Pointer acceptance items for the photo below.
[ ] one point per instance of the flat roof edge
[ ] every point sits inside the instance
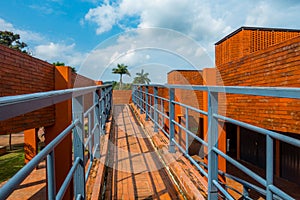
(255, 28)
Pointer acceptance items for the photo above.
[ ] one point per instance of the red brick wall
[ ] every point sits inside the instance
(189, 97)
(246, 42)
(122, 96)
(277, 65)
(23, 74)
(82, 81)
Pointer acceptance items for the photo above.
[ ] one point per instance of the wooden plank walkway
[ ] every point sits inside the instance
(135, 171)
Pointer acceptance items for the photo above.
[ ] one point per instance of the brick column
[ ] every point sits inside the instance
(63, 118)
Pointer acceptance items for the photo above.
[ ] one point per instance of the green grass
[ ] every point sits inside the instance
(10, 163)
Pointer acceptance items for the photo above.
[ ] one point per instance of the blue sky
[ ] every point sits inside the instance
(157, 36)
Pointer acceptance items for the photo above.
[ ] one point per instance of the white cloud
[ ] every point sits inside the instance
(104, 16)
(141, 47)
(44, 49)
(26, 35)
(53, 52)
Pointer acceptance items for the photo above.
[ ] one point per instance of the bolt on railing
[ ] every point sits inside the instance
(97, 116)
(216, 187)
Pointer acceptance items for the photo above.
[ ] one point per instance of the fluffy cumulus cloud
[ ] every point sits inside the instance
(196, 25)
(145, 47)
(53, 52)
(42, 48)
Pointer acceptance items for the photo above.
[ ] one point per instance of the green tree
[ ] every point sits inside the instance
(12, 41)
(121, 69)
(141, 78)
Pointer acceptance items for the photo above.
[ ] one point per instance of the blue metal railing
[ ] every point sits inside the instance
(140, 97)
(96, 115)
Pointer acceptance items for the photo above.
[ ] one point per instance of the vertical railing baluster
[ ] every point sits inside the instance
(269, 166)
(147, 103)
(212, 142)
(171, 118)
(102, 110)
(155, 93)
(141, 98)
(51, 176)
(162, 111)
(186, 132)
(97, 122)
(78, 146)
(90, 142)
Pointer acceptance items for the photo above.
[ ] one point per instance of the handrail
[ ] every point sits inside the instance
(140, 96)
(13, 106)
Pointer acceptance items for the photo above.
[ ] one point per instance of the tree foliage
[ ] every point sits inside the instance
(12, 41)
(121, 69)
(141, 78)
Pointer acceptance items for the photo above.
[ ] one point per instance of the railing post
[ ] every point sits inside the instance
(269, 166)
(212, 142)
(51, 176)
(162, 111)
(141, 100)
(102, 111)
(97, 123)
(147, 103)
(186, 132)
(155, 93)
(90, 127)
(133, 94)
(171, 118)
(245, 192)
(78, 146)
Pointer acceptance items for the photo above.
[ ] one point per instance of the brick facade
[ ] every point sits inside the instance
(24, 74)
(277, 66)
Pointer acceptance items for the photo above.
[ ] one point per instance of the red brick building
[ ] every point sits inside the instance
(261, 57)
(252, 56)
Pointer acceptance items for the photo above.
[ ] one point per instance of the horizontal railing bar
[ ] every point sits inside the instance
(90, 136)
(244, 183)
(95, 150)
(190, 107)
(241, 167)
(190, 133)
(224, 192)
(279, 192)
(88, 170)
(162, 98)
(17, 179)
(12, 106)
(89, 110)
(284, 138)
(163, 114)
(68, 179)
(191, 159)
(282, 92)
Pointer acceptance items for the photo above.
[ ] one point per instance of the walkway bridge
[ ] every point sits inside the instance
(141, 150)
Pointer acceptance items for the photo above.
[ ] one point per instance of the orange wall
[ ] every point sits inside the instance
(277, 65)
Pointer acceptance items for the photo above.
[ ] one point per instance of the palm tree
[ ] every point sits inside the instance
(141, 78)
(121, 69)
